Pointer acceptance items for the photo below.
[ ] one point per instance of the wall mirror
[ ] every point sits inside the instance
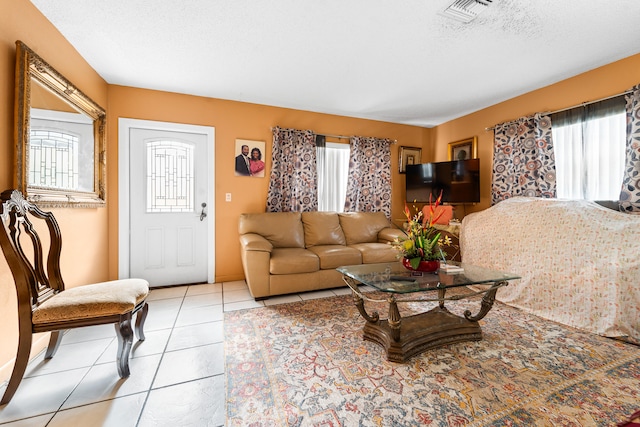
(60, 137)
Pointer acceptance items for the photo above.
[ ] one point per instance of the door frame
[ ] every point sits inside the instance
(124, 218)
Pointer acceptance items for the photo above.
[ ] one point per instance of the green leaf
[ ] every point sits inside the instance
(415, 262)
(434, 240)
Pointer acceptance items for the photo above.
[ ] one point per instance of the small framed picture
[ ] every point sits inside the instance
(464, 149)
(409, 156)
(249, 158)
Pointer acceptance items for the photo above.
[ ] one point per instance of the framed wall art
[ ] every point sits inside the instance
(249, 158)
(464, 149)
(409, 156)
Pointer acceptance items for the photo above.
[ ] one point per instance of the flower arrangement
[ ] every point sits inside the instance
(423, 241)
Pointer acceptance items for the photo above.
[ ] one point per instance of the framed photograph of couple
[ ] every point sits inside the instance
(409, 156)
(249, 158)
(464, 149)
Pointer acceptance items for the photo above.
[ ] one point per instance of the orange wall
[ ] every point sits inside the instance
(83, 260)
(233, 120)
(602, 82)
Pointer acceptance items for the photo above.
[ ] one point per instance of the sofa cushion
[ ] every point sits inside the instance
(332, 256)
(362, 227)
(376, 252)
(322, 228)
(282, 229)
(293, 260)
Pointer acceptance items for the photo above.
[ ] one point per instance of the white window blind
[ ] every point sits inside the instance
(589, 149)
(332, 177)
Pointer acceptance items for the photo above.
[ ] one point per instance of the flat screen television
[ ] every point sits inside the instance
(459, 181)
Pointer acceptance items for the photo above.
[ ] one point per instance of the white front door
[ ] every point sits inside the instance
(170, 206)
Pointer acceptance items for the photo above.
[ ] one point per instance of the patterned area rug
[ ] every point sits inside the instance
(306, 364)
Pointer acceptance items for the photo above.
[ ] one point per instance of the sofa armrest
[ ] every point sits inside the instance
(255, 242)
(255, 252)
(389, 234)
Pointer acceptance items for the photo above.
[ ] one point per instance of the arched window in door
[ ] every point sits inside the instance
(170, 176)
(53, 159)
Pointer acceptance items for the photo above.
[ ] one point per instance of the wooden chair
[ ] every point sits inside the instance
(44, 305)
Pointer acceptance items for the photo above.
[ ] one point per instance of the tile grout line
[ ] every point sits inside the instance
(80, 381)
(148, 392)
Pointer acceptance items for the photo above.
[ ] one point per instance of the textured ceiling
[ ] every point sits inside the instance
(395, 61)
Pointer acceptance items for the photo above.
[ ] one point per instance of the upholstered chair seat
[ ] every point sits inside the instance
(90, 301)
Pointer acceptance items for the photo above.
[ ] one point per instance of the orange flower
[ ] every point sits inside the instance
(432, 209)
(422, 241)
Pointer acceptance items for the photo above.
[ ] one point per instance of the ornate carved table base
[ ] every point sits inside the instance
(405, 337)
(421, 332)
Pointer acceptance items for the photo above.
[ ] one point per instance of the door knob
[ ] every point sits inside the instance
(203, 214)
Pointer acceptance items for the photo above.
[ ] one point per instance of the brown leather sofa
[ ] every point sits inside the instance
(288, 252)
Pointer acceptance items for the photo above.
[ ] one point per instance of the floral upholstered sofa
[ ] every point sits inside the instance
(579, 261)
(287, 252)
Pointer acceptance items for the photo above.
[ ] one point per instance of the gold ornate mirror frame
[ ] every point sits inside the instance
(32, 72)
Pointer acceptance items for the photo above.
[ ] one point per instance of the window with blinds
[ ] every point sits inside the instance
(333, 172)
(589, 149)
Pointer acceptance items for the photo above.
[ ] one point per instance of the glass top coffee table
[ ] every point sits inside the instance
(405, 337)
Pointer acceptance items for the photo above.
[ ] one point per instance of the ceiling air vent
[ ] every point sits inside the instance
(466, 10)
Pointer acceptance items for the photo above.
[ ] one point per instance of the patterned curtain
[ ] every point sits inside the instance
(523, 160)
(369, 182)
(630, 192)
(294, 178)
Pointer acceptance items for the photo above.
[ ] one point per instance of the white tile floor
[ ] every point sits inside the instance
(177, 373)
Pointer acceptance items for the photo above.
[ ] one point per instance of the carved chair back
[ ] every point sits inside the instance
(35, 279)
